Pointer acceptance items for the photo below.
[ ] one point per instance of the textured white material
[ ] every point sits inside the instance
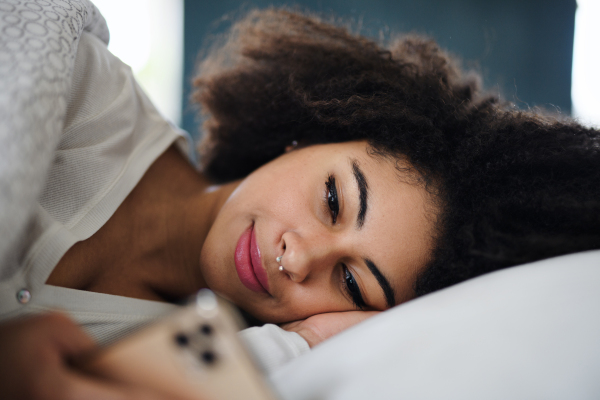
(272, 346)
(528, 332)
(38, 43)
(111, 135)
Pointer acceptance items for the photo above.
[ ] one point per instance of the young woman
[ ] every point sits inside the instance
(350, 177)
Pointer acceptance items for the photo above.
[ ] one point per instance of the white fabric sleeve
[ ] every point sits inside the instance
(38, 43)
(272, 346)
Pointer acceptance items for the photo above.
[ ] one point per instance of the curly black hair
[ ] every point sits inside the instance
(511, 186)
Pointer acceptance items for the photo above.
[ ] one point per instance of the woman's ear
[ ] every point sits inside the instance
(292, 146)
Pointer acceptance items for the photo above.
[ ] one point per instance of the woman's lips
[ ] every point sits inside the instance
(247, 263)
(259, 271)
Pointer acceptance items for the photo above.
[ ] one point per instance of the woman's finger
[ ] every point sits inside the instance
(66, 336)
(79, 386)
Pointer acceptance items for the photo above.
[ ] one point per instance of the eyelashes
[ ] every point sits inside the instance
(351, 287)
(349, 284)
(331, 198)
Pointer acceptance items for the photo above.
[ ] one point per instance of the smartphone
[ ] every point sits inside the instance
(192, 354)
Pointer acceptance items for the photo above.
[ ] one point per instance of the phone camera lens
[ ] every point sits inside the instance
(208, 357)
(181, 340)
(206, 329)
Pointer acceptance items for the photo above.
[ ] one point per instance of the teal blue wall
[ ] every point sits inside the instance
(523, 48)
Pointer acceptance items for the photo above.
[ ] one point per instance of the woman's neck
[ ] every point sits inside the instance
(185, 205)
(150, 247)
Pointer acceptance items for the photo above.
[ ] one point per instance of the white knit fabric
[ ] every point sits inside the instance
(38, 43)
(273, 347)
(112, 134)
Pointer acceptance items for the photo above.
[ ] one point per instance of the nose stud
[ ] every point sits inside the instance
(279, 261)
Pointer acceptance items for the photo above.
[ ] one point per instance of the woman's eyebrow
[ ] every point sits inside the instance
(363, 193)
(388, 291)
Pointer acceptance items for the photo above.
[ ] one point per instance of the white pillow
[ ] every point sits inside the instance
(528, 332)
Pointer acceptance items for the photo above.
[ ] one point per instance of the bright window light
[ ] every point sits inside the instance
(585, 89)
(148, 36)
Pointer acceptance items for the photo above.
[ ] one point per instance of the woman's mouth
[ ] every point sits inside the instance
(248, 263)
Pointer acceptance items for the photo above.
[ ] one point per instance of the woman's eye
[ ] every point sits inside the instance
(332, 198)
(352, 288)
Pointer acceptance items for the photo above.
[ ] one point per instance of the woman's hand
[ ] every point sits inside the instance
(319, 327)
(34, 355)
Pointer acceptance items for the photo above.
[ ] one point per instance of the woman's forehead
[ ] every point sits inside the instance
(398, 218)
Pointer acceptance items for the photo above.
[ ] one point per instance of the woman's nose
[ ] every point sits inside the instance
(306, 256)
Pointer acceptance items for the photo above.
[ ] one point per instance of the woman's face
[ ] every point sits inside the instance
(351, 233)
